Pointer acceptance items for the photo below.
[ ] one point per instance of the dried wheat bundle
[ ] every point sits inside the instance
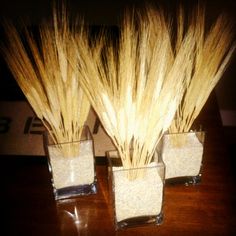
(135, 84)
(214, 49)
(47, 79)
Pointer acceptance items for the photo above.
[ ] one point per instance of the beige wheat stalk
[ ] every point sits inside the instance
(214, 49)
(135, 87)
(48, 80)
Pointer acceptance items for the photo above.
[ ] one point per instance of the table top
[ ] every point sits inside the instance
(28, 206)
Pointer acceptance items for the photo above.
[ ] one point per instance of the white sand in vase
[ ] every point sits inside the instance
(139, 197)
(184, 160)
(72, 171)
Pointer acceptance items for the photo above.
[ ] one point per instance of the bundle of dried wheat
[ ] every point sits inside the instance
(214, 49)
(45, 72)
(135, 84)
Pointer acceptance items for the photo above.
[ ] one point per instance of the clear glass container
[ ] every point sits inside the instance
(182, 154)
(72, 166)
(137, 193)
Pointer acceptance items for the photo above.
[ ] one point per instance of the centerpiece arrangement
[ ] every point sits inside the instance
(135, 84)
(44, 69)
(147, 87)
(182, 147)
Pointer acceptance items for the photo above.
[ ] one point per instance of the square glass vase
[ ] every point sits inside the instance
(136, 193)
(182, 154)
(72, 166)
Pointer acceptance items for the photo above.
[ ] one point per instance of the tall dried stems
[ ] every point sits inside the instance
(47, 78)
(214, 49)
(136, 85)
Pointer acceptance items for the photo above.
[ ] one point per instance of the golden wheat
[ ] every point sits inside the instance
(214, 49)
(45, 72)
(135, 86)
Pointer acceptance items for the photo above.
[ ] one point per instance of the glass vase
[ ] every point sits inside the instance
(182, 154)
(137, 193)
(72, 166)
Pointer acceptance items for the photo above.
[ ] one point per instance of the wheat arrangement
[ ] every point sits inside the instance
(213, 50)
(135, 85)
(44, 70)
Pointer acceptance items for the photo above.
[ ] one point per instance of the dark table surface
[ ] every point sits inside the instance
(28, 206)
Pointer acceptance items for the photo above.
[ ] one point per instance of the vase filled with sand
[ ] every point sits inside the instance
(46, 72)
(182, 146)
(137, 193)
(72, 166)
(182, 154)
(130, 86)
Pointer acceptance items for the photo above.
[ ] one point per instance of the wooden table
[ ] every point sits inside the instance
(28, 206)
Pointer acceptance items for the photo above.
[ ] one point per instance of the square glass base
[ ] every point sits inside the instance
(136, 201)
(182, 154)
(72, 166)
(74, 191)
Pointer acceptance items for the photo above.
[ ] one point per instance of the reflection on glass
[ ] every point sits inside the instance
(73, 217)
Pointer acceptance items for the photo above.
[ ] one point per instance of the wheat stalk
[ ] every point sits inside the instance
(214, 49)
(135, 87)
(45, 73)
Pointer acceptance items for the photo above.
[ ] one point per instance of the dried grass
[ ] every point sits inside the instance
(213, 50)
(45, 72)
(136, 85)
